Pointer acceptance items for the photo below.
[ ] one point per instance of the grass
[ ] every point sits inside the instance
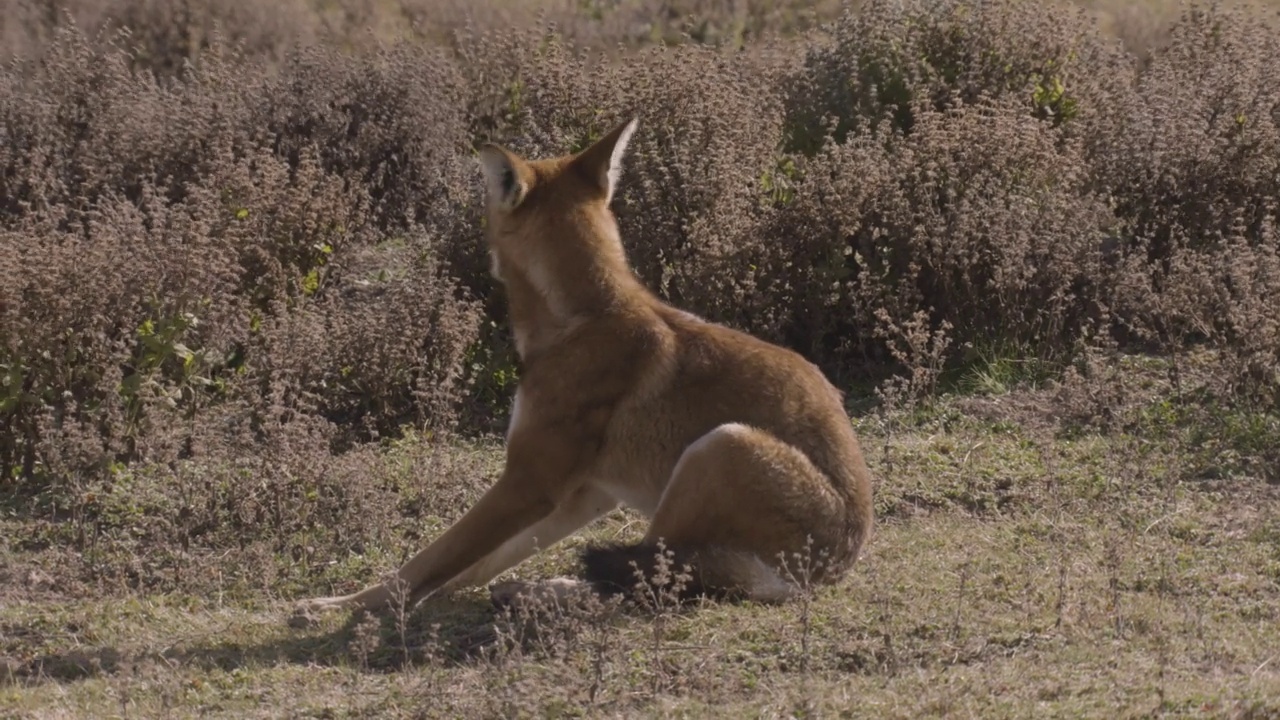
(1016, 570)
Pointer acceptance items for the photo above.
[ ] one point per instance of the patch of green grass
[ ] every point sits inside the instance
(999, 370)
(1223, 441)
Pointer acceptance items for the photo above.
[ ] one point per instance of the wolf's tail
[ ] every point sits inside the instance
(713, 572)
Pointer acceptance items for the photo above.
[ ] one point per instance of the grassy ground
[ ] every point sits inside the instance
(1019, 569)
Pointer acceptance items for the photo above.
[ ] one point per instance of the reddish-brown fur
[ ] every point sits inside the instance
(737, 449)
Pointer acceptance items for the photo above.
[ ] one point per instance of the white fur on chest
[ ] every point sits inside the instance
(517, 415)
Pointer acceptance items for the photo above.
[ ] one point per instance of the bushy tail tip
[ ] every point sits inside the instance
(711, 572)
(612, 569)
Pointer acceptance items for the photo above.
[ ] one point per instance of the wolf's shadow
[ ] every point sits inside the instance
(446, 631)
(456, 630)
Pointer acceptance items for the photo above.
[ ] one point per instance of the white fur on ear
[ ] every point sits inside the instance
(615, 158)
(501, 179)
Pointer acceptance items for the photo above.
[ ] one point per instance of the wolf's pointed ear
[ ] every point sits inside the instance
(504, 178)
(602, 162)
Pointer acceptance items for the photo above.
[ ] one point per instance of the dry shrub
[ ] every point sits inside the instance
(940, 203)
(886, 62)
(1192, 161)
(384, 345)
(979, 220)
(214, 240)
(691, 206)
(391, 123)
(165, 35)
(1012, 230)
(722, 23)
